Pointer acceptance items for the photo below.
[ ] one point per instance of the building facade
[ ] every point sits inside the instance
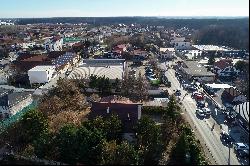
(12, 102)
(41, 74)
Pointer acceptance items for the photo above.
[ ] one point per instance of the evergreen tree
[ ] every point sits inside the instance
(149, 141)
(115, 154)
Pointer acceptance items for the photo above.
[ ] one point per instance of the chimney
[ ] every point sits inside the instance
(139, 111)
(128, 117)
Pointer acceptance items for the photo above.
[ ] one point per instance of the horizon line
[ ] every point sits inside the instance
(123, 16)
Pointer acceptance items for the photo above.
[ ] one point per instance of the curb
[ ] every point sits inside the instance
(210, 153)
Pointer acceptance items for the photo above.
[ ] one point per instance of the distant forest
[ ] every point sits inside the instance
(233, 32)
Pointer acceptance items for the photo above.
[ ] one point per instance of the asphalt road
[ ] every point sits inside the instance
(211, 138)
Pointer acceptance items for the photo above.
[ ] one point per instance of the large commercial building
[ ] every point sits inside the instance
(110, 68)
(41, 74)
(242, 117)
(193, 70)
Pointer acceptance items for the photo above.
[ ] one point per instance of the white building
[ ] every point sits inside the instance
(210, 48)
(193, 54)
(242, 117)
(166, 53)
(224, 67)
(184, 45)
(54, 44)
(28, 45)
(6, 23)
(110, 68)
(41, 74)
(180, 43)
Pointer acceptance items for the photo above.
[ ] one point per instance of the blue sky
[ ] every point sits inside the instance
(103, 8)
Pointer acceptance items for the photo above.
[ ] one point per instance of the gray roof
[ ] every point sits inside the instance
(9, 98)
(100, 62)
(16, 97)
(4, 91)
(193, 68)
(63, 59)
(243, 110)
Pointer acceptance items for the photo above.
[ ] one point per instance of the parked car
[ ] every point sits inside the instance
(148, 69)
(197, 84)
(243, 153)
(200, 104)
(185, 86)
(229, 106)
(200, 112)
(67, 73)
(230, 116)
(241, 146)
(178, 92)
(168, 84)
(191, 88)
(179, 77)
(134, 75)
(152, 77)
(206, 111)
(226, 138)
(195, 93)
(199, 97)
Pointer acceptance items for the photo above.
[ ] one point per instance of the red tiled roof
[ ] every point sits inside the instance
(77, 44)
(24, 66)
(222, 64)
(37, 58)
(56, 38)
(139, 51)
(121, 46)
(230, 93)
(55, 54)
(118, 51)
(24, 55)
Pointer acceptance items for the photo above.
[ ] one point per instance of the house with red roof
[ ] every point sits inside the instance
(224, 67)
(233, 96)
(127, 111)
(120, 48)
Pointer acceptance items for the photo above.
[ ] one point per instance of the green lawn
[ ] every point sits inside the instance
(155, 82)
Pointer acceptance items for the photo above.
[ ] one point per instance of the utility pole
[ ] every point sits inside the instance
(229, 155)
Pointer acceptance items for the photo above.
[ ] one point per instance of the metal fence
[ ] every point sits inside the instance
(7, 122)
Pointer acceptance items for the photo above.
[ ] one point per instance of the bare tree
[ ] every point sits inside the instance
(136, 89)
(142, 87)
